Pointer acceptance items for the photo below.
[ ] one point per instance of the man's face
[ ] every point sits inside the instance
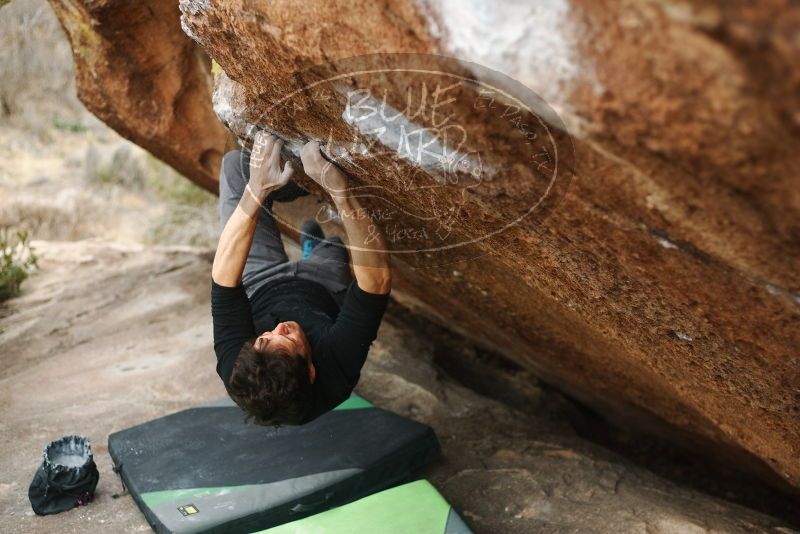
(288, 338)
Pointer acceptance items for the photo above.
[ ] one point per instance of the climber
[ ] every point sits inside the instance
(291, 336)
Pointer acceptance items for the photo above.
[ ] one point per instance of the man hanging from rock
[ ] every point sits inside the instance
(291, 336)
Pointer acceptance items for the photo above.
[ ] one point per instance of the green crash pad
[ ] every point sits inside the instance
(204, 470)
(414, 508)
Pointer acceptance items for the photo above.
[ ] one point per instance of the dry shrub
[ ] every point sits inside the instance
(37, 86)
(70, 215)
(16, 261)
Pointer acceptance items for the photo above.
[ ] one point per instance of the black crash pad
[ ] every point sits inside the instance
(204, 470)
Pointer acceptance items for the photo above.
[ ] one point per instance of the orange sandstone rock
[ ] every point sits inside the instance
(142, 76)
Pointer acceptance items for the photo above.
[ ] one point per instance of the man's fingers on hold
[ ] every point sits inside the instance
(275, 156)
(288, 170)
(269, 142)
(258, 145)
(261, 140)
(262, 143)
(309, 149)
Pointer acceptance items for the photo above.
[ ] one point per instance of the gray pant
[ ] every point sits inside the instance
(328, 263)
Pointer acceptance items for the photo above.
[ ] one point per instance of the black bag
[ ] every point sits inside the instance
(67, 477)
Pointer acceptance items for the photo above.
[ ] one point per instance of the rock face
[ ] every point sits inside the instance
(139, 73)
(667, 279)
(140, 338)
(662, 286)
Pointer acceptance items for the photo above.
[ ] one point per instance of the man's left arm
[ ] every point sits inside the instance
(355, 329)
(365, 241)
(356, 326)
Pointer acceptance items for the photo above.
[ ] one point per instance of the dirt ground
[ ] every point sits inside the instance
(106, 336)
(104, 365)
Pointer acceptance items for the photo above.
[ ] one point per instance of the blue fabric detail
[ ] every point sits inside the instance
(308, 247)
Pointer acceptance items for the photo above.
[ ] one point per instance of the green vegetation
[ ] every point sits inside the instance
(106, 175)
(172, 188)
(69, 125)
(190, 216)
(17, 260)
(189, 212)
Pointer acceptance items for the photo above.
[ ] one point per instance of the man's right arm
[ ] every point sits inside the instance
(237, 235)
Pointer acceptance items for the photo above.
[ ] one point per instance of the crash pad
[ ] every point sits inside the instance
(204, 469)
(413, 508)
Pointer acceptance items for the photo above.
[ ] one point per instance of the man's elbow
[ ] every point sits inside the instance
(223, 276)
(377, 281)
(385, 281)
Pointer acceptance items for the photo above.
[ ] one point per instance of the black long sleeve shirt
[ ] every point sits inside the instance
(339, 338)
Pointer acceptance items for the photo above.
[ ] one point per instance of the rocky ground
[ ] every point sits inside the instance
(106, 336)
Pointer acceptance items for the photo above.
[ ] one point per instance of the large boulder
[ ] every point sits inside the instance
(661, 286)
(666, 281)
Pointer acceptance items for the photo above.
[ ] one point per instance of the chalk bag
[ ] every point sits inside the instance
(67, 477)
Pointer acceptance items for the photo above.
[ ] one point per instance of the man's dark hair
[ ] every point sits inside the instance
(274, 388)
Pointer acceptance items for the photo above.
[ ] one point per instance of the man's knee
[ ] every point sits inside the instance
(331, 249)
(234, 171)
